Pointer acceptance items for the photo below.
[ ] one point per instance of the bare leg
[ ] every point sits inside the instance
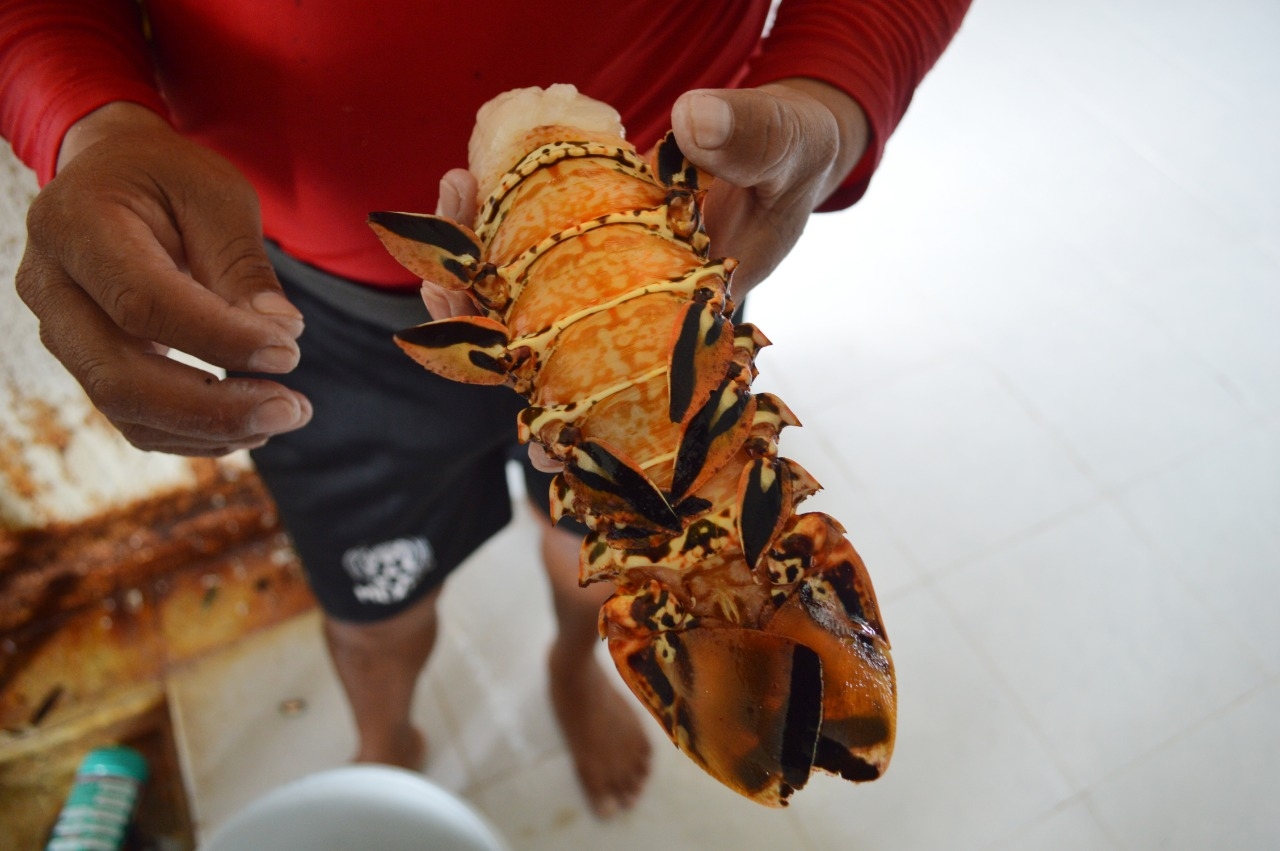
(379, 664)
(605, 735)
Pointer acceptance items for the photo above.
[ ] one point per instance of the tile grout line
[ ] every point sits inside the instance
(1185, 346)
(1179, 570)
(961, 629)
(1169, 54)
(949, 568)
(1108, 830)
(1190, 729)
(450, 722)
(1062, 806)
(1064, 87)
(1110, 490)
(481, 786)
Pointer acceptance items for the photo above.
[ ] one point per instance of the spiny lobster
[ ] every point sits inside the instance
(750, 632)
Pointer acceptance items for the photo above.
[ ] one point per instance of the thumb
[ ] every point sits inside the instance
(458, 193)
(759, 138)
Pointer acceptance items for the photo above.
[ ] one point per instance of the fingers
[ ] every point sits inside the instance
(224, 251)
(144, 242)
(214, 417)
(458, 202)
(157, 403)
(772, 139)
(776, 152)
(122, 229)
(542, 460)
(458, 199)
(145, 295)
(156, 440)
(445, 304)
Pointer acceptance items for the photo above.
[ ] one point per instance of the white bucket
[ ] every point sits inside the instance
(357, 807)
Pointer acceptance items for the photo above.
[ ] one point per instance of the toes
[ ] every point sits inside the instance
(634, 781)
(610, 749)
(606, 806)
(624, 787)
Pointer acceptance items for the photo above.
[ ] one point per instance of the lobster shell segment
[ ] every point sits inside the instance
(620, 491)
(701, 351)
(433, 248)
(471, 349)
(751, 633)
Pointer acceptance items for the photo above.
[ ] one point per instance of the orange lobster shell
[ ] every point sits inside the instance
(750, 632)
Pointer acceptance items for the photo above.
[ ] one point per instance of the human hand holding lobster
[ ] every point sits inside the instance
(143, 242)
(777, 152)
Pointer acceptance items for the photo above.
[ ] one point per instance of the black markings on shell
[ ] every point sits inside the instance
(429, 230)
(599, 469)
(721, 412)
(442, 335)
(762, 507)
(803, 719)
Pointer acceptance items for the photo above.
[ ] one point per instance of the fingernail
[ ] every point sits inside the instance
(275, 415)
(712, 121)
(277, 308)
(273, 359)
(274, 304)
(292, 327)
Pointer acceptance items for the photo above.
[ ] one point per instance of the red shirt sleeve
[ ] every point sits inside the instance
(302, 102)
(876, 51)
(59, 61)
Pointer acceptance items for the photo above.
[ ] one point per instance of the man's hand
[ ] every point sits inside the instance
(458, 202)
(144, 242)
(776, 152)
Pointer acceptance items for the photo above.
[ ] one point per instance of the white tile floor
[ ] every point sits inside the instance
(1039, 368)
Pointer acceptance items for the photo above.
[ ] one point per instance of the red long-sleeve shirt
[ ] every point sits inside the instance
(336, 108)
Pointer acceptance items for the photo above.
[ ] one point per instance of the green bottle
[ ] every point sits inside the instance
(97, 813)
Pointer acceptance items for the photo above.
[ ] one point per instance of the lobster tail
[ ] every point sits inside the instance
(751, 633)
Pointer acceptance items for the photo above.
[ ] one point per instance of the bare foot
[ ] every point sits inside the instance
(604, 733)
(407, 748)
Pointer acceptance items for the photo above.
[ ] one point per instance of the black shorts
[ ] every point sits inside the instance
(400, 475)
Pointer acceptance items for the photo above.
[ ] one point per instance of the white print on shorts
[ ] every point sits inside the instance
(385, 573)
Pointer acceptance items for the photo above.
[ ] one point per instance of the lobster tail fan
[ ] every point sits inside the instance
(834, 613)
(745, 706)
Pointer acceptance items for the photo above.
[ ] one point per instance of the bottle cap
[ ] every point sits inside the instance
(119, 761)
